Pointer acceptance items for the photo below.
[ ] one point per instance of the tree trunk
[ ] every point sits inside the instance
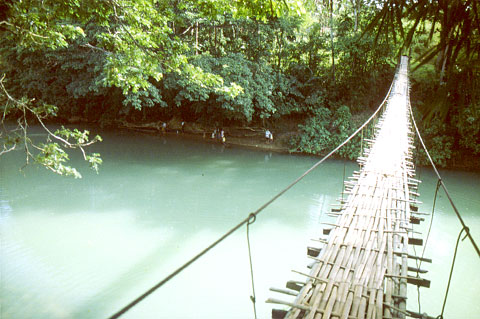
(356, 8)
(445, 56)
(331, 40)
(356, 20)
(280, 50)
(444, 63)
(196, 38)
(215, 40)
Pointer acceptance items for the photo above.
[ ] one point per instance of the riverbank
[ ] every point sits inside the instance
(246, 137)
(251, 137)
(256, 143)
(254, 138)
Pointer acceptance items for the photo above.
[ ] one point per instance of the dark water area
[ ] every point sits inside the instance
(85, 248)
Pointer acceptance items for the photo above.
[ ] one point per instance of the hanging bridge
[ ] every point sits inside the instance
(361, 270)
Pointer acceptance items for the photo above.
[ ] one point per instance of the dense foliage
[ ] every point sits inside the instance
(322, 65)
(443, 37)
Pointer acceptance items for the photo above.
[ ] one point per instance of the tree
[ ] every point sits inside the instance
(455, 47)
(137, 47)
(41, 26)
(240, 62)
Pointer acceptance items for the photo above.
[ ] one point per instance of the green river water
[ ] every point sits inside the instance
(85, 248)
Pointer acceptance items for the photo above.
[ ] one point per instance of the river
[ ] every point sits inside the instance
(86, 248)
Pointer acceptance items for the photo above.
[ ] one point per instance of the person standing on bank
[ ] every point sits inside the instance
(268, 136)
(222, 136)
(164, 127)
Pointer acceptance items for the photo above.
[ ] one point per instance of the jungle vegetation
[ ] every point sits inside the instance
(319, 66)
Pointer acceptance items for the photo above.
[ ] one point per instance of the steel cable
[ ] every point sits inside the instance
(464, 226)
(253, 297)
(246, 220)
(451, 269)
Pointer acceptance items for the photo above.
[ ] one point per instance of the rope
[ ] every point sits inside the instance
(451, 269)
(177, 271)
(253, 298)
(464, 226)
(361, 144)
(431, 220)
(419, 264)
(247, 219)
(343, 180)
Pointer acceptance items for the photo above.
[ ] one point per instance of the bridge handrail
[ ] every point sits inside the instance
(251, 215)
(464, 226)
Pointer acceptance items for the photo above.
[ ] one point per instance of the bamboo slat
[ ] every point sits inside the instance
(361, 270)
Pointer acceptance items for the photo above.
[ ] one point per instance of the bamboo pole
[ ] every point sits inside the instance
(362, 269)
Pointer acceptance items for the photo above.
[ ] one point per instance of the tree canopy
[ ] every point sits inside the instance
(321, 65)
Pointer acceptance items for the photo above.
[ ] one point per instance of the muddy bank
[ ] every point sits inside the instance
(253, 137)
(248, 137)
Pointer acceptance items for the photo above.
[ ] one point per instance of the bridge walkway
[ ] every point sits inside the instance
(362, 269)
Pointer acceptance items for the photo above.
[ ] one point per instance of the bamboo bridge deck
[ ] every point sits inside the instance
(362, 269)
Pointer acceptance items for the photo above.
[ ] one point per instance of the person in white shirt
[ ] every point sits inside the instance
(268, 136)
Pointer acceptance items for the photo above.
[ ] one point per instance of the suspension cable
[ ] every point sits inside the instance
(419, 263)
(253, 297)
(451, 269)
(464, 226)
(440, 181)
(250, 216)
(431, 221)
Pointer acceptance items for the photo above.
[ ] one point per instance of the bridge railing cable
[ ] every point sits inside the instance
(459, 216)
(440, 180)
(250, 216)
